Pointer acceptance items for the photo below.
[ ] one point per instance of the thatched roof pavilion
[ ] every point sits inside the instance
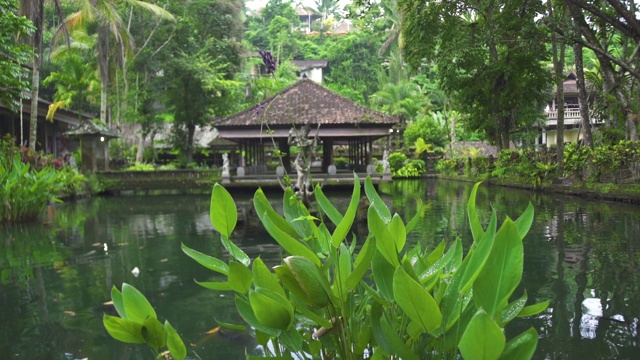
(333, 119)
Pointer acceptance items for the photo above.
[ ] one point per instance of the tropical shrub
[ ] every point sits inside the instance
(329, 299)
(414, 168)
(26, 191)
(340, 162)
(396, 161)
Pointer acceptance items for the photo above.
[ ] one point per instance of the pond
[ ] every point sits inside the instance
(584, 256)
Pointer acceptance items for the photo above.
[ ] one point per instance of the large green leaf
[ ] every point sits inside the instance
(297, 214)
(265, 210)
(291, 245)
(477, 259)
(344, 270)
(512, 310)
(118, 302)
(386, 335)
(415, 301)
(362, 263)
(207, 261)
(534, 309)
(455, 250)
(235, 251)
(246, 312)
(174, 343)
(525, 220)
(326, 206)
(153, 333)
(212, 285)
(123, 330)
(521, 347)
(384, 240)
(310, 279)
(417, 217)
(223, 211)
(499, 279)
(396, 227)
(342, 229)
(240, 278)
(264, 278)
(476, 228)
(376, 201)
(271, 309)
(483, 339)
(136, 306)
(383, 275)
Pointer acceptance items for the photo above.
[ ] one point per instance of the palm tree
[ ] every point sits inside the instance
(34, 11)
(110, 30)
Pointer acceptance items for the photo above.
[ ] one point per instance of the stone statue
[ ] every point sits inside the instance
(385, 161)
(226, 176)
(303, 160)
(225, 163)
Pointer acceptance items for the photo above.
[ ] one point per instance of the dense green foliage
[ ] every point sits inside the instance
(13, 77)
(30, 180)
(389, 299)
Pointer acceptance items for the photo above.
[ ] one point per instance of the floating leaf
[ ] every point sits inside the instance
(482, 339)
(223, 212)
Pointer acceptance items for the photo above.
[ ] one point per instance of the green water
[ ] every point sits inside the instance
(583, 256)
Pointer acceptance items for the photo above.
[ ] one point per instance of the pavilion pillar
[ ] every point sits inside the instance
(327, 154)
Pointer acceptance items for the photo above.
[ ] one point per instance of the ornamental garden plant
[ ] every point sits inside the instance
(331, 298)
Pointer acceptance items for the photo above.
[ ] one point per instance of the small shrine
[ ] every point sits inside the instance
(93, 145)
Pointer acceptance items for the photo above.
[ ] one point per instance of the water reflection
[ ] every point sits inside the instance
(581, 255)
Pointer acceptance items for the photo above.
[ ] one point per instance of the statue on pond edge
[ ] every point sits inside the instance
(300, 138)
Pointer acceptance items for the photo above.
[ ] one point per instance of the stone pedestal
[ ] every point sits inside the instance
(331, 170)
(371, 169)
(226, 177)
(280, 171)
(240, 171)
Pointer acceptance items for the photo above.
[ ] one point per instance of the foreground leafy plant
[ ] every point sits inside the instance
(381, 301)
(331, 299)
(138, 323)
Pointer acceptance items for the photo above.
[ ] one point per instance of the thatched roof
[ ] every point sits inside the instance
(91, 128)
(306, 103)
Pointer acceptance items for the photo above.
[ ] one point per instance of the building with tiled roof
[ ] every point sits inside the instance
(334, 121)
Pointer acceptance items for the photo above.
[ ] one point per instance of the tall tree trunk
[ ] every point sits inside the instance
(36, 15)
(582, 95)
(557, 49)
(103, 64)
(191, 129)
(608, 72)
(140, 152)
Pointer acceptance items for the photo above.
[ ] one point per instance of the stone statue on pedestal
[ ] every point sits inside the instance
(300, 138)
